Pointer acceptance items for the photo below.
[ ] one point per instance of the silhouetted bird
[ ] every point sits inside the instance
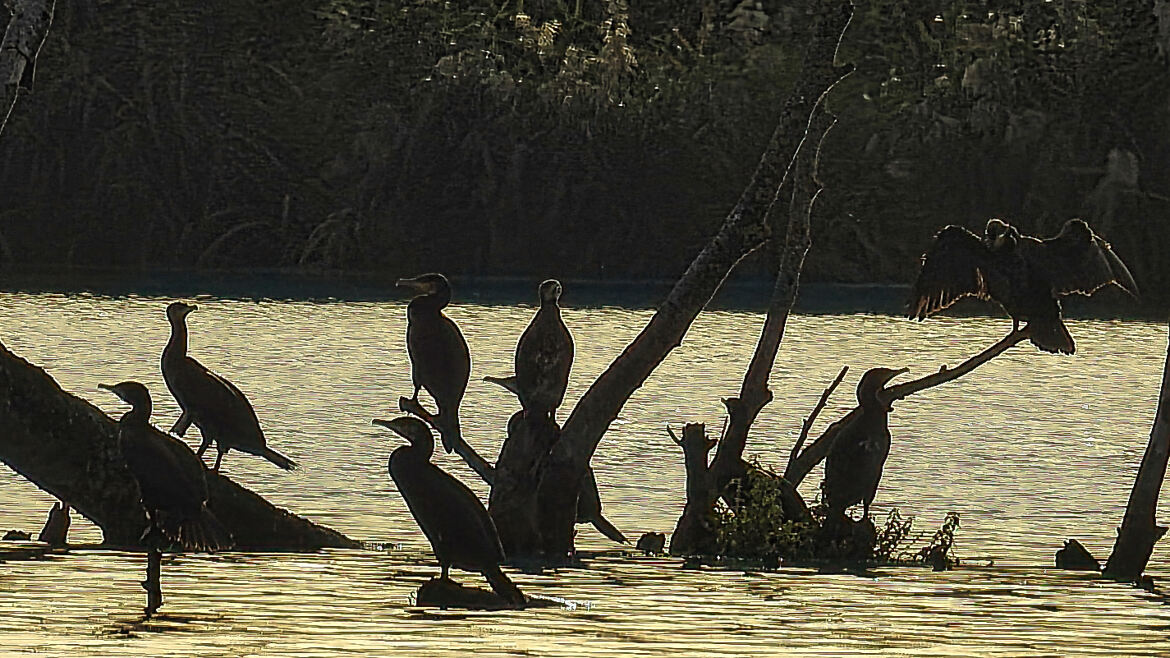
(1025, 275)
(220, 410)
(453, 519)
(544, 356)
(853, 467)
(170, 477)
(439, 359)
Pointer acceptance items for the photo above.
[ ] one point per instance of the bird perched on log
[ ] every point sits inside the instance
(170, 477)
(220, 410)
(853, 467)
(544, 356)
(453, 519)
(1025, 275)
(439, 359)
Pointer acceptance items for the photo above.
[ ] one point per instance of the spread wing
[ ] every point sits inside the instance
(1078, 261)
(953, 267)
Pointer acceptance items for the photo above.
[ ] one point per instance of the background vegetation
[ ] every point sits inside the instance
(572, 138)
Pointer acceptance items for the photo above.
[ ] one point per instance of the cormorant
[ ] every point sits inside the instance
(439, 359)
(170, 477)
(220, 410)
(853, 467)
(1023, 274)
(544, 356)
(453, 519)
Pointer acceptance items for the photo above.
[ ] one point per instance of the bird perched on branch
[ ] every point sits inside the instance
(439, 359)
(453, 519)
(221, 411)
(1025, 275)
(544, 356)
(853, 467)
(170, 477)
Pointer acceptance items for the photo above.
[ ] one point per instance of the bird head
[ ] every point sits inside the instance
(132, 393)
(1078, 230)
(999, 234)
(412, 429)
(177, 311)
(550, 291)
(874, 380)
(432, 283)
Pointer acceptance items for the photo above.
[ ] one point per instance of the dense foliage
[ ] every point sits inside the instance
(569, 137)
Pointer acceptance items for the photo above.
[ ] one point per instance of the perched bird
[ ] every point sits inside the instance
(544, 356)
(853, 467)
(439, 359)
(220, 410)
(1027, 276)
(453, 519)
(170, 477)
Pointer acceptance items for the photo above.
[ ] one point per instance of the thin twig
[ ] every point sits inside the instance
(812, 417)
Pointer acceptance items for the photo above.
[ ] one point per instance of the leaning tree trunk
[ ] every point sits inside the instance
(18, 51)
(743, 231)
(68, 447)
(1139, 528)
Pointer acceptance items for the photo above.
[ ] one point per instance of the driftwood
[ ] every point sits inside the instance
(744, 230)
(22, 42)
(1139, 529)
(68, 447)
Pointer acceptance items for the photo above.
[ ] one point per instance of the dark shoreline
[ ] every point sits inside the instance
(738, 292)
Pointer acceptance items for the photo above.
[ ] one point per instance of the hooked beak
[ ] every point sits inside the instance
(110, 388)
(413, 284)
(392, 426)
(895, 373)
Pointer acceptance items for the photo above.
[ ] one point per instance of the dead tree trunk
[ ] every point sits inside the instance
(1139, 528)
(705, 483)
(68, 447)
(743, 231)
(18, 51)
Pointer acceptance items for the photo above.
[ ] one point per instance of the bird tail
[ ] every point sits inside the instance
(1051, 337)
(608, 529)
(504, 587)
(278, 459)
(205, 533)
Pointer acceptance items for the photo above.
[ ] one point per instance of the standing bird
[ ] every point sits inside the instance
(1027, 276)
(439, 359)
(220, 410)
(853, 467)
(453, 519)
(544, 356)
(170, 477)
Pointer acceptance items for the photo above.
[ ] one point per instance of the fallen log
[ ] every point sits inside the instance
(68, 447)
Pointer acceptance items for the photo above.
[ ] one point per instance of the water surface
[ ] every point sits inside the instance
(1030, 449)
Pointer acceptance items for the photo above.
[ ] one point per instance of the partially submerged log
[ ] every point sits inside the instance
(23, 38)
(1139, 529)
(68, 447)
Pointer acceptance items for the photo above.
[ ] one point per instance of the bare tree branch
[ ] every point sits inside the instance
(812, 417)
(22, 43)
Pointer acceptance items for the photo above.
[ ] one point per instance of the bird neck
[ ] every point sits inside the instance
(434, 302)
(139, 414)
(870, 403)
(550, 306)
(177, 345)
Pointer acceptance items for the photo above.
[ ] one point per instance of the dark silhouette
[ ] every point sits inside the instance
(544, 356)
(56, 530)
(853, 467)
(450, 515)
(439, 359)
(220, 410)
(1023, 274)
(170, 477)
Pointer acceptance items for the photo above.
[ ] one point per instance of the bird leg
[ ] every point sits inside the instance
(1015, 325)
(417, 387)
(446, 574)
(203, 447)
(153, 582)
(218, 460)
(182, 424)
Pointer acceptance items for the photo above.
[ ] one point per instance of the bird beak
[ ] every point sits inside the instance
(895, 373)
(413, 284)
(111, 389)
(390, 425)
